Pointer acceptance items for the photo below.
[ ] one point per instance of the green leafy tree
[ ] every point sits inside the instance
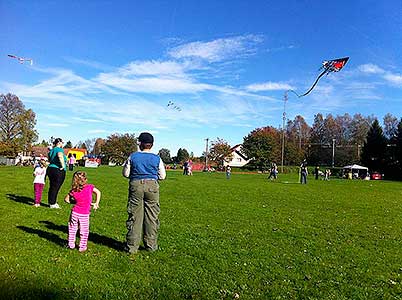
(182, 155)
(374, 149)
(263, 147)
(220, 151)
(118, 147)
(17, 126)
(165, 155)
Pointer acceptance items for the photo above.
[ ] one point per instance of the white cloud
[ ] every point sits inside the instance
(57, 125)
(97, 131)
(269, 86)
(217, 50)
(89, 63)
(146, 68)
(393, 79)
(152, 84)
(371, 69)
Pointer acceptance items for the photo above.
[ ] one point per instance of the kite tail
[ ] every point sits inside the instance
(316, 81)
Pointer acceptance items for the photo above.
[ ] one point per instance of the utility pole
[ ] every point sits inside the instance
(333, 152)
(285, 99)
(206, 154)
(300, 136)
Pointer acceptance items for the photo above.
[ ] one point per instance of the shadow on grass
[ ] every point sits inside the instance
(44, 234)
(93, 237)
(13, 288)
(23, 199)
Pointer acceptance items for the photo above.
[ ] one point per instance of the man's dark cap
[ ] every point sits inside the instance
(146, 138)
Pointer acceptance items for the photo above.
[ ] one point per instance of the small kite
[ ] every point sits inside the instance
(328, 66)
(173, 105)
(21, 59)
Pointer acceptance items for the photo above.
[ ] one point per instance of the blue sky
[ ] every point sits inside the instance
(102, 67)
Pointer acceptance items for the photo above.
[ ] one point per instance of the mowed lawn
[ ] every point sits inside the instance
(245, 238)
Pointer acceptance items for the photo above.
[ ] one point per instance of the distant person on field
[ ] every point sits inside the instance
(316, 172)
(185, 168)
(81, 196)
(228, 172)
(327, 174)
(303, 172)
(273, 173)
(71, 162)
(39, 181)
(144, 169)
(56, 171)
(190, 170)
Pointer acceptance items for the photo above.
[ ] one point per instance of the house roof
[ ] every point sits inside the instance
(234, 149)
(38, 150)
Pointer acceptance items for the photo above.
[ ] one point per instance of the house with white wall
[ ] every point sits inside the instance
(238, 158)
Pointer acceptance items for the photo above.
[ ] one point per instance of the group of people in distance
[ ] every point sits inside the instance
(143, 169)
(188, 168)
(273, 172)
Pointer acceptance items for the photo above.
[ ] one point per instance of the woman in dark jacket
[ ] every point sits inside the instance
(56, 171)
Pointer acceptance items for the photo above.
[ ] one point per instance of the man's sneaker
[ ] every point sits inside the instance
(55, 206)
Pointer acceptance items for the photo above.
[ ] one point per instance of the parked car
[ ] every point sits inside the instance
(376, 176)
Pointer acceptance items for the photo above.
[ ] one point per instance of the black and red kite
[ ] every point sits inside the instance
(328, 66)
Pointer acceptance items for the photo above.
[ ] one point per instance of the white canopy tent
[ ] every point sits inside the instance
(355, 171)
(355, 167)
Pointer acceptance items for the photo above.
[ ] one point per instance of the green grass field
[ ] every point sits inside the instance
(245, 238)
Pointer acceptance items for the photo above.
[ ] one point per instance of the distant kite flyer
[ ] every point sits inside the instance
(21, 60)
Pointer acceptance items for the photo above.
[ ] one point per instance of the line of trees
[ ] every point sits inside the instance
(342, 139)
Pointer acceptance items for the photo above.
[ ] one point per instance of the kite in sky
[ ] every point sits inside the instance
(21, 59)
(328, 66)
(174, 106)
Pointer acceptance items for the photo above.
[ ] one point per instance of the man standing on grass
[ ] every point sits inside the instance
(144, 169)
(303, 172)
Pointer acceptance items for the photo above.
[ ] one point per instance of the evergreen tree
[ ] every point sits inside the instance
(374, 149)
(68, 145)
(398, 140)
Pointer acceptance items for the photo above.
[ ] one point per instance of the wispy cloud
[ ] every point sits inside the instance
(219, 49)
(97, 131)
(395, 79)
(89, 63)
(57, 125)
(289, 47)
(269, 86)
(371, 69)
(388, 76)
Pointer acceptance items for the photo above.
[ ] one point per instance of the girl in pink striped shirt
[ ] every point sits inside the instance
(81, 196)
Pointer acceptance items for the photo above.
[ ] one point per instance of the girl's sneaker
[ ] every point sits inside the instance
(36, 205)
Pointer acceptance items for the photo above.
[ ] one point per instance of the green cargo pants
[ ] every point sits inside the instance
(143, 211)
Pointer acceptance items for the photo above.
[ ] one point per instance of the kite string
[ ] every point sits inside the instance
(314, 84)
